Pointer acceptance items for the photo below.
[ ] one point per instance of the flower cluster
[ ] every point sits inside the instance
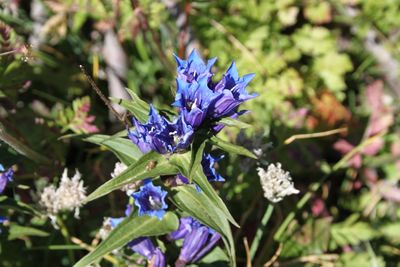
(200, 101)
(5, 177)
(276, 183)
(68, 196)
(201, 104)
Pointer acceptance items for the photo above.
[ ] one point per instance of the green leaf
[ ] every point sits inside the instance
(350, 232)
(123, 148)
(21, 148)
(17, 231)
(199, 206)
(137, 171)
(232, 148)
(195, 173)
(10, 203)
(132, 227)
(234, 123)
(139, 108)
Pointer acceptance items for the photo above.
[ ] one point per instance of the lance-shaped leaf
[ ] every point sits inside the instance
(18, 231)
(234, 123)
(232, 148)
(7, 203)
(131, 228)
(149, 165)
(190, 166)
(124, 149)
(139, 108)
(21, 148)
(199, 206)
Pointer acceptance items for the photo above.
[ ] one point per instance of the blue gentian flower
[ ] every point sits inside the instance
(232, 92)
(150, 200)
(5, 177)
(144, 246)
(193, 99)
(208, 163)
(199, 99)
(194, 68)
(160, 135)
(198, 239)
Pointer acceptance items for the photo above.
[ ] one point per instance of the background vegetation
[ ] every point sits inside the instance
(327, 67)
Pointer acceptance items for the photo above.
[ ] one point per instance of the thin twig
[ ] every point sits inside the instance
(260, 230)
(103, 97)
(83, 245)
(238, 45)
(275, 256)
(315, 135)
(315, 186)
(246, 247)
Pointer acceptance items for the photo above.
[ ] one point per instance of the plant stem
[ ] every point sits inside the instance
(67, 237)
(260, 230)
(315, 186)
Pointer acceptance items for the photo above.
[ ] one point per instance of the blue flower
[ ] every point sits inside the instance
(150, 200)
(193, 99)
(208, 163)
(5, 177)
(194, 68)
(160, 135)
(198, 239)
(232, 92)
(200, 100)
(144, 246)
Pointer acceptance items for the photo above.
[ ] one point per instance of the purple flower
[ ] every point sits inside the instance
(160, 135)
(194, 68)
(208, 163)
(199, 99)
(5, 177)
(193, 99)
(198, 239)
(150, 200)
(232, 92)
(144, 246)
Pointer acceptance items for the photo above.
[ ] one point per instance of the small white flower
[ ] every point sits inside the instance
(118, 169)
(106, 228)
(276, 183)
(68, 196)
(129, 188)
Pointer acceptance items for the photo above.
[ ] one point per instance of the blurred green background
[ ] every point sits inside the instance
(320, 66)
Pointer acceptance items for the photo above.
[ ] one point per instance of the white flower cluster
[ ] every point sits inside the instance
(68, 196)
(129, 188)
(276, 183)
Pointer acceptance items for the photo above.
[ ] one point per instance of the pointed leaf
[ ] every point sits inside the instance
(21, 148)
(199, 206)
(234, 123)
(139, 108)
(17, 231)
(129, 229)
(137, 171)
(232, 148)
(123, 148)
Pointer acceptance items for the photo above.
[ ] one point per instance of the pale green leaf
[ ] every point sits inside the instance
(123, 148)
(129, 229)
(149, 165)
(231, 148)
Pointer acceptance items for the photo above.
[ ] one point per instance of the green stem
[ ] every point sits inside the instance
(67, 237)
(260, 230)
(315, 186)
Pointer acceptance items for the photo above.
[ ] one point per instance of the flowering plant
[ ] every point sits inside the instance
(175, 155)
